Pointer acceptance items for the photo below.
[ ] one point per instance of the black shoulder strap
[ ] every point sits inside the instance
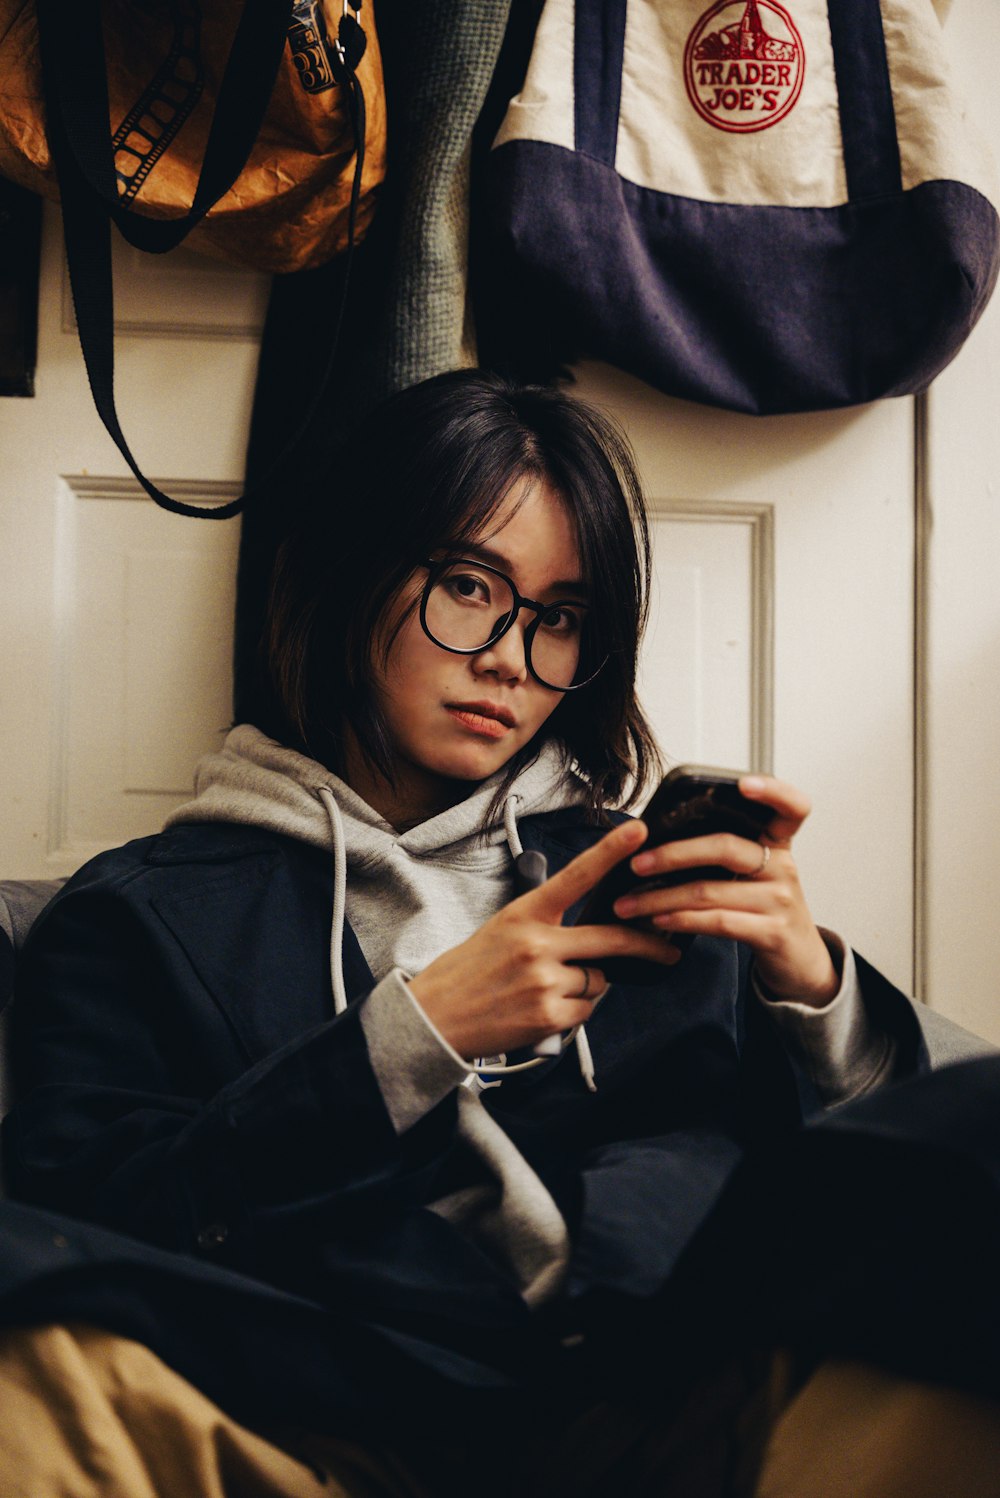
(76, 96)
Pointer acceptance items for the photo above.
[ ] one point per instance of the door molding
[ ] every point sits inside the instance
(758, 518)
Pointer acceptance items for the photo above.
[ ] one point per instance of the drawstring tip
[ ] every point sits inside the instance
(586, 1059)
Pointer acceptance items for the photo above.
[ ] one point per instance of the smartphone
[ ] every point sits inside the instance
(690, 801)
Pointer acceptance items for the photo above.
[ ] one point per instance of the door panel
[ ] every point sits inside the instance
(707, 663)
(117, 616)
(142, 657)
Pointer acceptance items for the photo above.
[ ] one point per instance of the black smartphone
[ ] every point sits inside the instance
(690, 801)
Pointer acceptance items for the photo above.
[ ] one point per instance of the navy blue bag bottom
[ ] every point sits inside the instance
(757, 309)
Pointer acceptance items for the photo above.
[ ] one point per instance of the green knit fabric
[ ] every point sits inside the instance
(439, 60)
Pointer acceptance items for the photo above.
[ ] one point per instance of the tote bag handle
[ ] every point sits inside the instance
(76, 98)
(867, 117)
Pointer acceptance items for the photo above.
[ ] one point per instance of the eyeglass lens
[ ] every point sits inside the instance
(468, 607)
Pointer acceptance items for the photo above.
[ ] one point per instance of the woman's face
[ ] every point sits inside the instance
(459, 718)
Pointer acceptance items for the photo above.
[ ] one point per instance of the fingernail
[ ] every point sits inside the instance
(752, 783)
(642, 863)
(626, 906)
(661, 922)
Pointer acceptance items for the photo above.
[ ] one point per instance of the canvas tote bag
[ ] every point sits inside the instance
(766, 205)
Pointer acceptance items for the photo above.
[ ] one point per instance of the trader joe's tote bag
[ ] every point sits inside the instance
(768, 205)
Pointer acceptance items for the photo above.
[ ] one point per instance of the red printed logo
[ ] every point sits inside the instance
(744, 64)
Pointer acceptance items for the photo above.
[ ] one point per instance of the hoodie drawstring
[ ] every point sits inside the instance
(585, 1057)
(339, 898)
(510, 825)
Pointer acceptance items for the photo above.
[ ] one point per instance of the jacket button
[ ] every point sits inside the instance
(213, 1236)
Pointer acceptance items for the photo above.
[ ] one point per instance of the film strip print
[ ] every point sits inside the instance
(163, 106)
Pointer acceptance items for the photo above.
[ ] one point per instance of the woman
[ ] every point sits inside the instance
(292, 1037)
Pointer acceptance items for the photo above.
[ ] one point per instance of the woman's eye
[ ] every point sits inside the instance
(562, 621)
(469, 588)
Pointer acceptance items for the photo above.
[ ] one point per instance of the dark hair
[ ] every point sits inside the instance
(429, 468)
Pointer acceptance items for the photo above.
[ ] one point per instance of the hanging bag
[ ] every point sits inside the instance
(763, 206)
(108, 171)
(214, 121)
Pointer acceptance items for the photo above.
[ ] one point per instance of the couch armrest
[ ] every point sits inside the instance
(948, 1041)
(21, 900)
(6, 969)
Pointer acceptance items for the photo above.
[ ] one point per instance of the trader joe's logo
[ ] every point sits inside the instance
(744, 64)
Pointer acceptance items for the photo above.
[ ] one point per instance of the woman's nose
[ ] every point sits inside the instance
(506, 657)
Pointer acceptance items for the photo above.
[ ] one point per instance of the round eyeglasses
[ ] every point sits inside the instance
(468, 606)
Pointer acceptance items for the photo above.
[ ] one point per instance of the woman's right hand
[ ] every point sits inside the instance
(520, 977)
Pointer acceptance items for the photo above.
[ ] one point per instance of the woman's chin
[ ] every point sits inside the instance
(471, 761)
(480, 767)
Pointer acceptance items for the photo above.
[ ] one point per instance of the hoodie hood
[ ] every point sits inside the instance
(257, 782)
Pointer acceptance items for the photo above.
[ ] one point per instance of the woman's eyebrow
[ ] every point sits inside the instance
(497, 559)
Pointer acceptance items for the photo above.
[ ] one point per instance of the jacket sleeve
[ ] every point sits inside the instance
(142, 1107)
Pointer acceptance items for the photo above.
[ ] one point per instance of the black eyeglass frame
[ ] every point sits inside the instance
(436, 570)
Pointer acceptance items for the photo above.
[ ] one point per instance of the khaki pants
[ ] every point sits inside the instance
(86, 1414)
(858, 1432)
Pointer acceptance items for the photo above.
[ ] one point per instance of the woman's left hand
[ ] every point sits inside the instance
(764, 906)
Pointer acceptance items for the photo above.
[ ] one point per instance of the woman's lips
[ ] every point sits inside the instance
(489, 728)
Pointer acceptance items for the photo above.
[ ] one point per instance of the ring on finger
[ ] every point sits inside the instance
(765, 859)
(584, 992)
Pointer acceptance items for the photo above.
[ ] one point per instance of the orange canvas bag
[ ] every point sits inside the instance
(134, 144)
(178, 72)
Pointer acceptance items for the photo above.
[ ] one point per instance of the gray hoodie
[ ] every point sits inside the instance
(409, 896)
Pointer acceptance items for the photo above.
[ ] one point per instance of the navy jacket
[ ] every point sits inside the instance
(183, 1082)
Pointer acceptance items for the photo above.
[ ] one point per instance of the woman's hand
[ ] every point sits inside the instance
(523, 975)
(764, 906)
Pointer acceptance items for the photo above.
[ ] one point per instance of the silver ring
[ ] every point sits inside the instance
(765, 849)
(585, 990)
